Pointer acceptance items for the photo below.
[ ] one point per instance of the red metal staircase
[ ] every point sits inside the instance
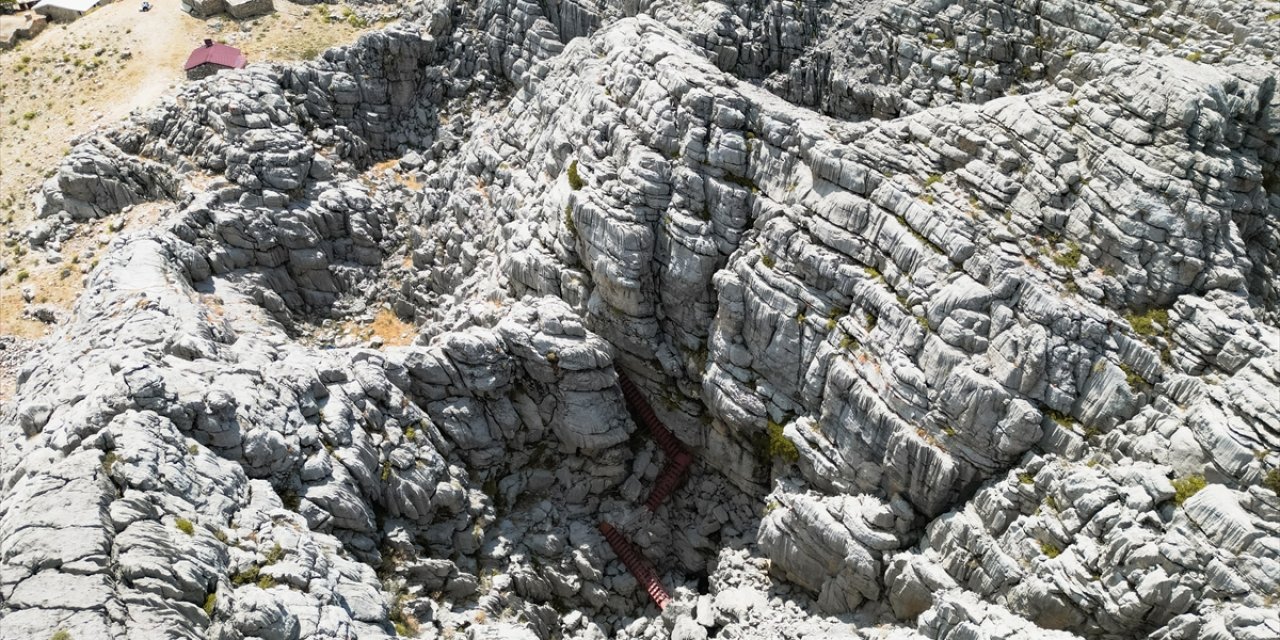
(673, 473)
(637, 565)
(678, 457)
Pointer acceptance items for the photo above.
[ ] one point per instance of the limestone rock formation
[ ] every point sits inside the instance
(966, 309)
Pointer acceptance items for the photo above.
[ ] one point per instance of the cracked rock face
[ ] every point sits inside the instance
(966, 311)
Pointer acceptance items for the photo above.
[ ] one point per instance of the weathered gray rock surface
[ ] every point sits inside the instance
(967, 310)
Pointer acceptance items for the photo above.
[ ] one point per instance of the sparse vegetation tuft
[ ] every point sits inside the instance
(1146, 323)
(1186, 487)
(1068, 258)
(575, 180)
(1050, 549)
(275, 554)
(1272, 481)
(184, 525)
(780, 446)
(248, 576)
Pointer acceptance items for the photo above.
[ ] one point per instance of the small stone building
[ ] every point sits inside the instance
(65, 10)
(211, 58)
(238, 9)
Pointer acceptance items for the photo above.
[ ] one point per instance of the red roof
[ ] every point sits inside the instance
(219, 54)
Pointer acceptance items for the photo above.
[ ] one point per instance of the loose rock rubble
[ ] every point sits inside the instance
(965, 309)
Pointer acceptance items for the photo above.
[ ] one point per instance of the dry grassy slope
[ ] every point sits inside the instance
(91, 73)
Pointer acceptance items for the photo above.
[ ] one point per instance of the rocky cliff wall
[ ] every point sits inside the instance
(993, 357)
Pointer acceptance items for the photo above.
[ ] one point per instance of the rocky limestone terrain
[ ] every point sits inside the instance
(966, 309)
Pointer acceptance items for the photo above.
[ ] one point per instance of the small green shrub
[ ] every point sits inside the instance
(1272, 481)
(1135, 380)
(932, 180)
(1065, 421)
(1050, 549)
(266, 582)
(1194, 56)
(1070, 257)
(1145, 323)
(60, 634)
(1186, 487)
(780, 446)
(184, 525)
(210, 602)
(275, 554)
(248, 576)
(849, 343)
(575, 181)
(1026, 478)
(767, 260)
(23, 275)
(568, 220)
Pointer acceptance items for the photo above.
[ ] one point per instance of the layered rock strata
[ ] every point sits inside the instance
(967, 310)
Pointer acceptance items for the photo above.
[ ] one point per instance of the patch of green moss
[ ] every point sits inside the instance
(1026, 478)
(767, 260)
(184, 525)
(210, 603)
(60, 634)
(1050, 549)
